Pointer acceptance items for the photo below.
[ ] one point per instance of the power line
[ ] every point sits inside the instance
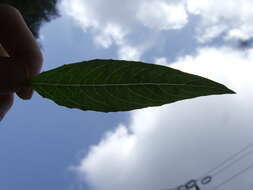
(184, 187)
(232, 177)
(231, 158)
(232, 163)
(220, 169)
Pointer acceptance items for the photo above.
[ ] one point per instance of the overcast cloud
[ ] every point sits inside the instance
(166, 146)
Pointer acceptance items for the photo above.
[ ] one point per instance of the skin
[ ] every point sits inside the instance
(20, 57)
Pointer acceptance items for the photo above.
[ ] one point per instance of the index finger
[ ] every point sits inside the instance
(19, 42)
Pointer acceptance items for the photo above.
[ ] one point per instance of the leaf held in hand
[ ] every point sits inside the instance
(111, 85)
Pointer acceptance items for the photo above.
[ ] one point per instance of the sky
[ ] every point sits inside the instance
(46, 146)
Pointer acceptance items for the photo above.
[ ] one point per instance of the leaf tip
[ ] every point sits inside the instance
(231, 91)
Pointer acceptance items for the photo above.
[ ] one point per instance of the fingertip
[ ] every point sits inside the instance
(25, 94)
(6, 101)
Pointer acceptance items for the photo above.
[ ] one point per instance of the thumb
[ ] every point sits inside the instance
(25, 92)
(30, 68)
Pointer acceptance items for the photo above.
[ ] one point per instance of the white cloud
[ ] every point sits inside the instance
(233, 18)
(129, 53)
(161, 15)
(166, 146)
(119, 22)
(82, 13)
(161, 61)
(111, 33)
(123, 147)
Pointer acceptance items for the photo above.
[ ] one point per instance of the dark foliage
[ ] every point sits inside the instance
(35, 12)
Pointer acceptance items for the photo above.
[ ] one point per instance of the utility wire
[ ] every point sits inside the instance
(232, 163)
(224, 182)
(232, 177)
(220, 168)
(230, 159)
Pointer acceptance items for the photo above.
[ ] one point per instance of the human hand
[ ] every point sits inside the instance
(20, 57)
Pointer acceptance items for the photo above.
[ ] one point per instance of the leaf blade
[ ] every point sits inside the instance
(111, 85)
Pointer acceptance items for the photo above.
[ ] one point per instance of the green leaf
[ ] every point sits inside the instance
(111, 85)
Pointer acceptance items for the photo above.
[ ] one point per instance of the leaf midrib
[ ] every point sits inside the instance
(118, 84)
(109, 84)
